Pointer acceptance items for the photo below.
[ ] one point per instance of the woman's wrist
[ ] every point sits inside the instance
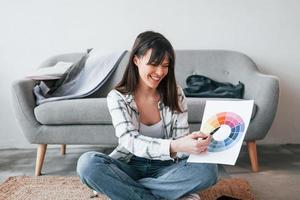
(173, 147)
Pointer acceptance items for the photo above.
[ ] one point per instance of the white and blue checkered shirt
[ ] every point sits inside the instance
(126, 121)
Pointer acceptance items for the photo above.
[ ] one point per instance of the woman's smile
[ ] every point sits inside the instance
(155, 78)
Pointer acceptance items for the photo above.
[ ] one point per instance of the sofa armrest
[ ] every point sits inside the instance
(264, 90)
(24, 103)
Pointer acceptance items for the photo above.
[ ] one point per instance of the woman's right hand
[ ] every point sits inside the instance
(193, 143)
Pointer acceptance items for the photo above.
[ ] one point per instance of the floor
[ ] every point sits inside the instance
(279, 176)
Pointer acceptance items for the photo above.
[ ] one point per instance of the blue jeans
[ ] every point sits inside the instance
(142, 178)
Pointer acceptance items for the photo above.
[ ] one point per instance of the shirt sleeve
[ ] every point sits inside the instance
(181, 126)
(127, 132)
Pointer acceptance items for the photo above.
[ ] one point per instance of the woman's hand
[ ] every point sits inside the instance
(193, 143)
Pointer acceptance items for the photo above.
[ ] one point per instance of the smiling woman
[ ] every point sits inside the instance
(149, 114)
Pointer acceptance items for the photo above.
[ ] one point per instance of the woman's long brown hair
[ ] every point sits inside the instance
(161, 48)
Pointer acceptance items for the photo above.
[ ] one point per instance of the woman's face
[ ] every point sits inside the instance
(151, 75)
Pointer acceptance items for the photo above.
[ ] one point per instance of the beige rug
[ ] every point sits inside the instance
(64, 188)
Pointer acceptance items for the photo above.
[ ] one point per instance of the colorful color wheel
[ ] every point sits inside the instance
(236, 125)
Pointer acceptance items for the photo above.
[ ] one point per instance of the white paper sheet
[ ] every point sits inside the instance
(232, 118)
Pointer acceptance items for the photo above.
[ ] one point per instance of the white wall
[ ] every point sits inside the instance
(266, 30)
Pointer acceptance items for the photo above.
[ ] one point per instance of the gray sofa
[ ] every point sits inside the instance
(87, 120)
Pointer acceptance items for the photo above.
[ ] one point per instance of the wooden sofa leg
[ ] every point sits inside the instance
(63, 149)
(41, 151)
(253, 155)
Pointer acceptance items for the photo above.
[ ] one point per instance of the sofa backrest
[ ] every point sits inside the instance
(220, 65)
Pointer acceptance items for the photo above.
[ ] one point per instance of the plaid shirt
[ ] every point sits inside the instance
(126, 121)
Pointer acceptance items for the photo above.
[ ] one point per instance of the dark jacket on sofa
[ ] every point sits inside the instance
(202, 86)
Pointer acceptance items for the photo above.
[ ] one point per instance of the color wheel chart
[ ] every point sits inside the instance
(230, 123)
(227, 122)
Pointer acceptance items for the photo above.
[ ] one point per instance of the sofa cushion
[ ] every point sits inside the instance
(74, 111)
(95, 111)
